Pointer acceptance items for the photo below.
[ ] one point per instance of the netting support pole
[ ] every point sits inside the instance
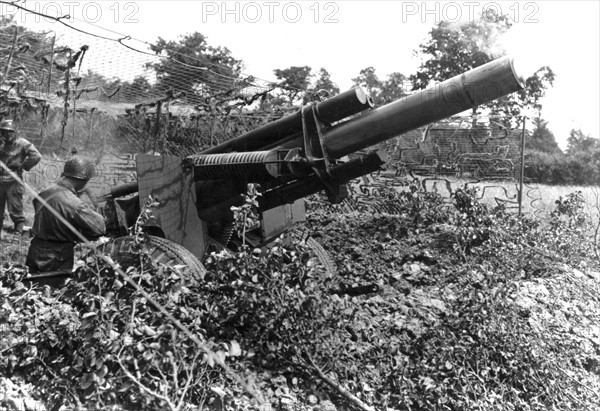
(51, 64)
(522, 174)
(90, 128)
(157, 124)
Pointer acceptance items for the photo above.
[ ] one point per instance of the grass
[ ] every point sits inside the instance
(538, 200)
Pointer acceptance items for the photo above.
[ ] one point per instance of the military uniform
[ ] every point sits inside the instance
(17, 154)
(61, 219)
(52, 246)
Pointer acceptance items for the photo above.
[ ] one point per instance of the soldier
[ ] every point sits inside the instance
(16, 154)
(52, 247)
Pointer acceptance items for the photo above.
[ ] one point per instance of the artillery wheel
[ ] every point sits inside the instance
(161, 250)
(214, 246)
(299, 236)
(322, 255)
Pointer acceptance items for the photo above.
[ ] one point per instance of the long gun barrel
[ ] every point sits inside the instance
(453, 96)
(302, 153)
(334, 109)
(313, 146)
(310, 137)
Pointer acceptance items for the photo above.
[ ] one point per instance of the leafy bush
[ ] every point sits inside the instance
(570, 229)
(99, 342)
(442, 329)
(485, 354)
(580, 168)
(473, 219)
(424, 207)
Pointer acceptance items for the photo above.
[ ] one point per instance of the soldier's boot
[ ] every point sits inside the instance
(19, 228)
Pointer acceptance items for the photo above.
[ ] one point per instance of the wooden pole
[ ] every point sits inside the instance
(51, 63)
(522, 177)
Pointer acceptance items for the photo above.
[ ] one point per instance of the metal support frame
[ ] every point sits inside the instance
(316, 154)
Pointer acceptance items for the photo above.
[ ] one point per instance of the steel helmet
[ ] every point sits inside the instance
(7, 125)
(77, 167)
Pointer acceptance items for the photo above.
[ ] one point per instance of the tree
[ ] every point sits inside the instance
(368, 80)
(193, 66)
(526, 102)
(140, 86)
(93, 80)
(542, 139)
(393, 88)
(298, 85)
(578, 142)
(382, 92)
(294, 82)
(322, 88)
(583, 154)
(453, 49)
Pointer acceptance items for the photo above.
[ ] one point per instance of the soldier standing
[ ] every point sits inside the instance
(52, 247)
(16, 154)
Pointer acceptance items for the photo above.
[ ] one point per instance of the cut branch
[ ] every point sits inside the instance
(341, 390)
(142, 387)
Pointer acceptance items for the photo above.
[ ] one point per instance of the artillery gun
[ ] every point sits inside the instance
(291, 158)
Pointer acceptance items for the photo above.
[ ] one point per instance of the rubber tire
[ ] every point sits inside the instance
(322, 255)
(161, 251)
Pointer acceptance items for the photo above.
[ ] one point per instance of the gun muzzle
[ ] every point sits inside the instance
(453, 96)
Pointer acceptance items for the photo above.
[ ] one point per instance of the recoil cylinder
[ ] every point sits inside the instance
(253, 165)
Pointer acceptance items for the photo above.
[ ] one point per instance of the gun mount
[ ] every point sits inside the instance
(290, 158)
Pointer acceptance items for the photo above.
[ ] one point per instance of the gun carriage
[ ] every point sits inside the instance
(291, 158)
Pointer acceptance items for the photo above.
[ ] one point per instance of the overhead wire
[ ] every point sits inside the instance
(110, 73)
(40, 66)
(121, 38)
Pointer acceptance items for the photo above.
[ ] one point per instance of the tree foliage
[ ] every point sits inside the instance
(382, 91)
(138, 86)
(293, 82)
(452, 49)
(580, 165)
(542, 139)
(192, 65)
(299, 85)
(433, 307)
(322, 88)
(579, 142)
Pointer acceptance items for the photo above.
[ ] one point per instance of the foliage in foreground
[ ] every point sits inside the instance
(447, 328)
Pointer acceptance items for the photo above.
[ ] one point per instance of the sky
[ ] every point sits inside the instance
(346, 36)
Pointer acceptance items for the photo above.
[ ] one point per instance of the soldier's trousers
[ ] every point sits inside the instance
(50, 256)
(11, 198)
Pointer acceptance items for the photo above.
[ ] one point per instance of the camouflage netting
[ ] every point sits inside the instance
(91, 91)
(97, 93)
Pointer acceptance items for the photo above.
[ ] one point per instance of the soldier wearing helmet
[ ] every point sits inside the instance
(16, 155)
(52, 247)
